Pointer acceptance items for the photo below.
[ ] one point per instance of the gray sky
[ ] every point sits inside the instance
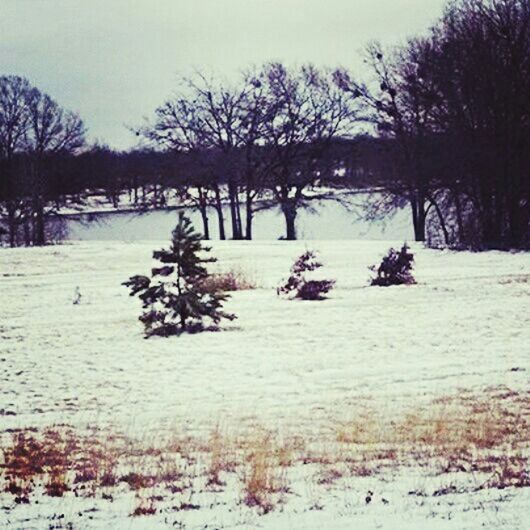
(114, 61)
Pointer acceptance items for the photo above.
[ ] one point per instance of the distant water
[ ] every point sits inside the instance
(328, 220)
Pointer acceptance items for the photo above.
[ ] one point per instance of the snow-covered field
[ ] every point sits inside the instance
(297, 369)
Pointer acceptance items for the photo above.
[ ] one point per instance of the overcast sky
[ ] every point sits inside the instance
(114, 61)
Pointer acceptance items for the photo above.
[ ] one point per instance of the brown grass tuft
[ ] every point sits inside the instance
(508, 471)
(144, 507)
(219, 459)
(235, 279)
(262, 478)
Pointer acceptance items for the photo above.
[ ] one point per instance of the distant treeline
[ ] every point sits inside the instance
(442, 126)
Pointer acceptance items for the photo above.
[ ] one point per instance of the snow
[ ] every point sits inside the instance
(289, 366)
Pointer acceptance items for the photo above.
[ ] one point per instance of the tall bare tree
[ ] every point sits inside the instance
(482, 75)
(179, 127)
(306, 111)
(34, 133)
(51, 131)
(455, 107)
(14, 123)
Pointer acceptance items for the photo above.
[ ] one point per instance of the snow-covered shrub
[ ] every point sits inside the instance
(299, 286)
(395, 268)
(176, 298)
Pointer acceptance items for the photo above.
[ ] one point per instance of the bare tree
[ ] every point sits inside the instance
(404, 107)
(51, 131)
(179, 128)
(250, 156)
(220, 119)
(34, 133)
(216, 130)
(455, 106)
(306, 110)
(14, 122)
(482, 74)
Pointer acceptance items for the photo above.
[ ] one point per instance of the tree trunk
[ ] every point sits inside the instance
(220, 216)
(249, 216)
(204, 213)
(39, 236)
(418, 216)
(489, 217)
(518, 217)
(27, 232)
(12, 225)
(234, 210)
(289, 211)
(442, 221)
(459, 218)
(205, 221)
(490, 235)
(238, 216)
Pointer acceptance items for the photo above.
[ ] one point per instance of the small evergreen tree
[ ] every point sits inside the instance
(298, 286)
(176, 299)
(395, 268)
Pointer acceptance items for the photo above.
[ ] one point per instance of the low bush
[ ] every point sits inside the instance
(395, 268)
(299, 286)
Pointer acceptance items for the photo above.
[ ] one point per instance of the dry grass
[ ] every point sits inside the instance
(236, 279)
(144, 507)
(221, 461)
(30, 457)
(445, 427)
(507, 471)
(488, 435)
(263, 478)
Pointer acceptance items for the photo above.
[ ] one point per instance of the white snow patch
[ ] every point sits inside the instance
(287, 365)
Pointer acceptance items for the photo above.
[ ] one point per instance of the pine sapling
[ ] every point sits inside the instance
(298, 286)
(176, 298)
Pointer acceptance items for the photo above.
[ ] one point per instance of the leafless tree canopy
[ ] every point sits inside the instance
(269, 136)
(35, 132)
(448, 114)
(456, 106)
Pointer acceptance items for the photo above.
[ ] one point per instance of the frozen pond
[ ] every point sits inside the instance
(327, 221)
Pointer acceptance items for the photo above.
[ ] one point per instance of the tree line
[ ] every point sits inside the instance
(456, 104)
(36, 137)
(441, 126)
